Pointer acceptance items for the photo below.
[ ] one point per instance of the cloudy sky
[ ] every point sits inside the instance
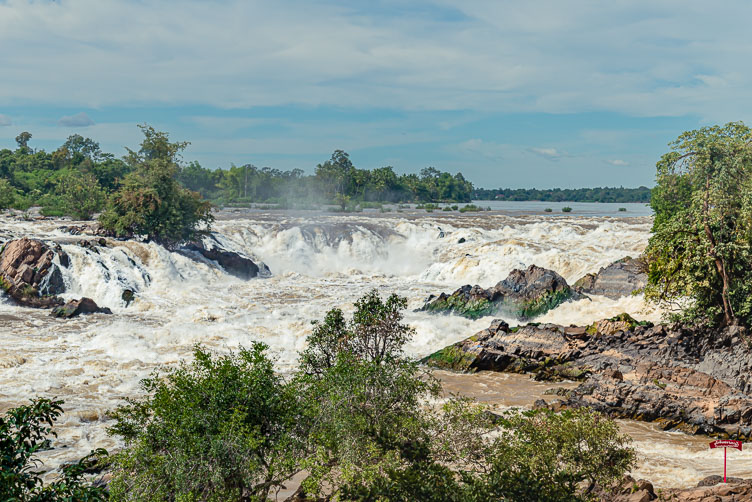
(514, 94)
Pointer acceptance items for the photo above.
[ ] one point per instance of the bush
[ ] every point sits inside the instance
(24, 432)
(220, 428)
(566, 209)
(548, 210)
(622, 209)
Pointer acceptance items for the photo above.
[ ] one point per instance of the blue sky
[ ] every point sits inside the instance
(512, 94)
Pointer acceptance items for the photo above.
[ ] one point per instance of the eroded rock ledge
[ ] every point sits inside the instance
(693, 379)
(524, 294)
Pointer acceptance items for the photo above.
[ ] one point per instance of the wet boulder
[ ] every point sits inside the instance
(524, 294)
(79, 307)
(621, 278)
(29, 275)
(230, 261)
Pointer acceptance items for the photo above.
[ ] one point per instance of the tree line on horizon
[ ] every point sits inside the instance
(76, 179)
(598, 194)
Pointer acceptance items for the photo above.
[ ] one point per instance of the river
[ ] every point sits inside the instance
(318, 261)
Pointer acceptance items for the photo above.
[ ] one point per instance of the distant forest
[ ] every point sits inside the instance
(605, 194)
(78, 172)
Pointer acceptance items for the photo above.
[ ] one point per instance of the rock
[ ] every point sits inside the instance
(78, 307)
(28, 274)
(524, 294)
(619, 279)
(684, 378)
(128, 296)
(461, 240)
(233, 263)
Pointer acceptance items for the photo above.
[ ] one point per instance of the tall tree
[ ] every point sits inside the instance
(151, 202)
(700, 254)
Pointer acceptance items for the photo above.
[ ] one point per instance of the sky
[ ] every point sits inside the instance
(515, 94)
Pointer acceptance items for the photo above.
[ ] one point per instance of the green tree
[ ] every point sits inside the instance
(700, 253)
(152, 202)
(22, 140)
(221, 428)
(374, 438)
(7, 194)
(80, 194)
(24, 432)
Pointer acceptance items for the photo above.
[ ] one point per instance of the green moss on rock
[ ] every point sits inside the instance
(450, 358)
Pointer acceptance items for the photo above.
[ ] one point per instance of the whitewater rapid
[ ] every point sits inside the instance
(318, 261)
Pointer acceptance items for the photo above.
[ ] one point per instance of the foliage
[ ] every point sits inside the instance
(151, 202)
(374, 437)
(7, 194)
(24, 432)
(220, 428)
(604, 194)
(80, 193)
(541, 455)
(700, 254)
(366, 403)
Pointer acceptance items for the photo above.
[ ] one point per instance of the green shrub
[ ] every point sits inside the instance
(219, 428)
(622, 209)
(566, 209)
(548, 210)
(24, 432)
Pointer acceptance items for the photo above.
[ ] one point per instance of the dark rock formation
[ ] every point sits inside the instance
(619, 279)
(78, 307)
(685, 378)
(710, 489)
(233, 263)
(524, 294)
(28, 274)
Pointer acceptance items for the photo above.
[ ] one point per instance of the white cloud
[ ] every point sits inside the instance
(618, 162)
(549, 153)
(639, 58)
(77, 120)
(5, 120)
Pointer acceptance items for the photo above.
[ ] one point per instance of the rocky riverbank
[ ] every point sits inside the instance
(686, 378)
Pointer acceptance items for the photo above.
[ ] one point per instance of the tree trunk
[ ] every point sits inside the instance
(728, 313)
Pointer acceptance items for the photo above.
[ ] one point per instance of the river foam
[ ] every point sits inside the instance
(318, 260)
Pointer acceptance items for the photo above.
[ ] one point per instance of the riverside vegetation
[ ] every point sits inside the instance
(354, 421)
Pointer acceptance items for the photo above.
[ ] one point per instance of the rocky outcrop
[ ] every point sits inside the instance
(685, 378)
(76, 308)
(524, 294)
(233, 263)
(29, 275)
(710, 489)
(621, 278)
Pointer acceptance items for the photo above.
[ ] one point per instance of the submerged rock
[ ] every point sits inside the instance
(684, 378)
(28, 274)
(233, 263)
(621, 278)
(78, 307)
(524, 294)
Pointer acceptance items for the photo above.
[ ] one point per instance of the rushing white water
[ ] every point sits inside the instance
(318, 261)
